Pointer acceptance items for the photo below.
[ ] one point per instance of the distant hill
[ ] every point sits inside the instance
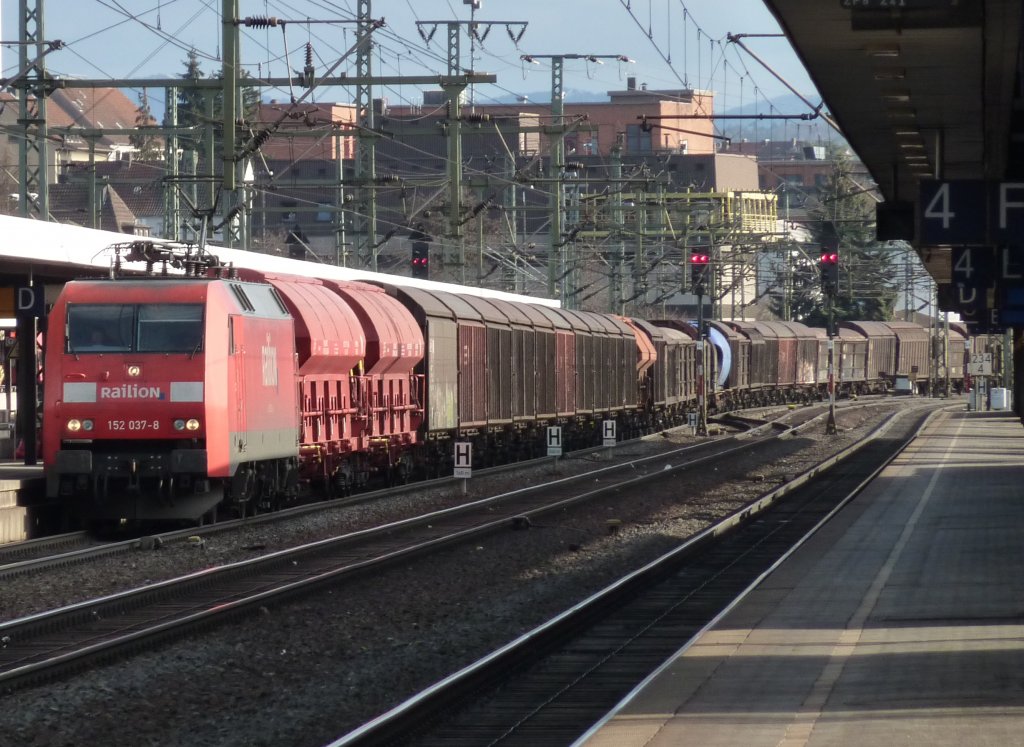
(573, 95)
(813, 131)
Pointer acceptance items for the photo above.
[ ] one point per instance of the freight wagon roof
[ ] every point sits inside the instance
(908, 330)
(960, 328)
(600, 323)
(578, 322)
(651, 330)
(801, 330)
(774, 330)
(513, 312)
(537, 317)
(389, 327)
(423, 303)
(487, 311)
(747, 328)
(324, 322)
(869, 329)
(848, 333)
(74, 250)
(685, 326)
(461, 307)
(558, 320)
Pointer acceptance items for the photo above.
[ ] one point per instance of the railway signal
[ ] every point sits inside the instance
(699, 272)
(829, 270)
(700, 269)
(420, 259)
(830, 285)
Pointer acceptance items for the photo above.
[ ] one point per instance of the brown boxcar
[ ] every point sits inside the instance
(450, 404)
(821, 364)
(537, 376)
(781, 347)
(761, 374)
(562, 361)
(913, 351)
(881, 358)
(616, 362)
(650, 351)
(956, 356)
(495, 361)
(852, 347)
(517, 385)
(585, 356)
(686, 379)
(807, 352)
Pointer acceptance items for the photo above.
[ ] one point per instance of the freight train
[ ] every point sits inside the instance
(231, 391)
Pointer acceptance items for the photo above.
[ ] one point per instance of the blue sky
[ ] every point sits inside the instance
(674, 43)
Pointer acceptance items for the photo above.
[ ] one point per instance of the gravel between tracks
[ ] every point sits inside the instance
(305, 673)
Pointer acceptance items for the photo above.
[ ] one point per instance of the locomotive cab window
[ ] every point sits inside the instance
(170, 328)
(100, 328)
(142, 328)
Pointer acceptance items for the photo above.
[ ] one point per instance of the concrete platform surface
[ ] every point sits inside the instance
(901, 622)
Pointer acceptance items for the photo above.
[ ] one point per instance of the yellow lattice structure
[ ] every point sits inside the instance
(737, 216)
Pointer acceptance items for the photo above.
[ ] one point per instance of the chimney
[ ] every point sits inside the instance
(631, 83)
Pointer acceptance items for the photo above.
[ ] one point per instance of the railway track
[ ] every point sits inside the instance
(77, 547)
(49, 644)
(549, 686)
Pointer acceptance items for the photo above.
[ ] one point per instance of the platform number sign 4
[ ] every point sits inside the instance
(970, 211)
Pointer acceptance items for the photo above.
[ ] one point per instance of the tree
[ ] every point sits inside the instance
(193, 111)
(844, 222)
(192, 108)
(145, 141)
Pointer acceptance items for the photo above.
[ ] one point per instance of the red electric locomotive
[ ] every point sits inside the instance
(169, 397)
(180, 390)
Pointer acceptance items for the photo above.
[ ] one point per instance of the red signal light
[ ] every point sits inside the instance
(698, 258)
(830, 271)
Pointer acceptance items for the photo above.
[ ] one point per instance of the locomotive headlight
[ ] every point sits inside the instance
(179, 425)
(134, 371)
(87, 425)
(192, 424)
(74, 425)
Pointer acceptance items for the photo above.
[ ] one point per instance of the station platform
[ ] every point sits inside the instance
(21, 488)
(901, 621)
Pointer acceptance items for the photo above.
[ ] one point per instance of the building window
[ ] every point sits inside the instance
(637, 141)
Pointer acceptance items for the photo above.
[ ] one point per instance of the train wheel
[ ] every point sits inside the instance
(402, 471)
(338, 486)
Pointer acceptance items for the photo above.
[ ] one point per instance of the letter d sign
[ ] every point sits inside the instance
(28, 301)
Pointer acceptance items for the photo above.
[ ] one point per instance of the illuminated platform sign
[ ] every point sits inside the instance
(23, 301)
(970, 211)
